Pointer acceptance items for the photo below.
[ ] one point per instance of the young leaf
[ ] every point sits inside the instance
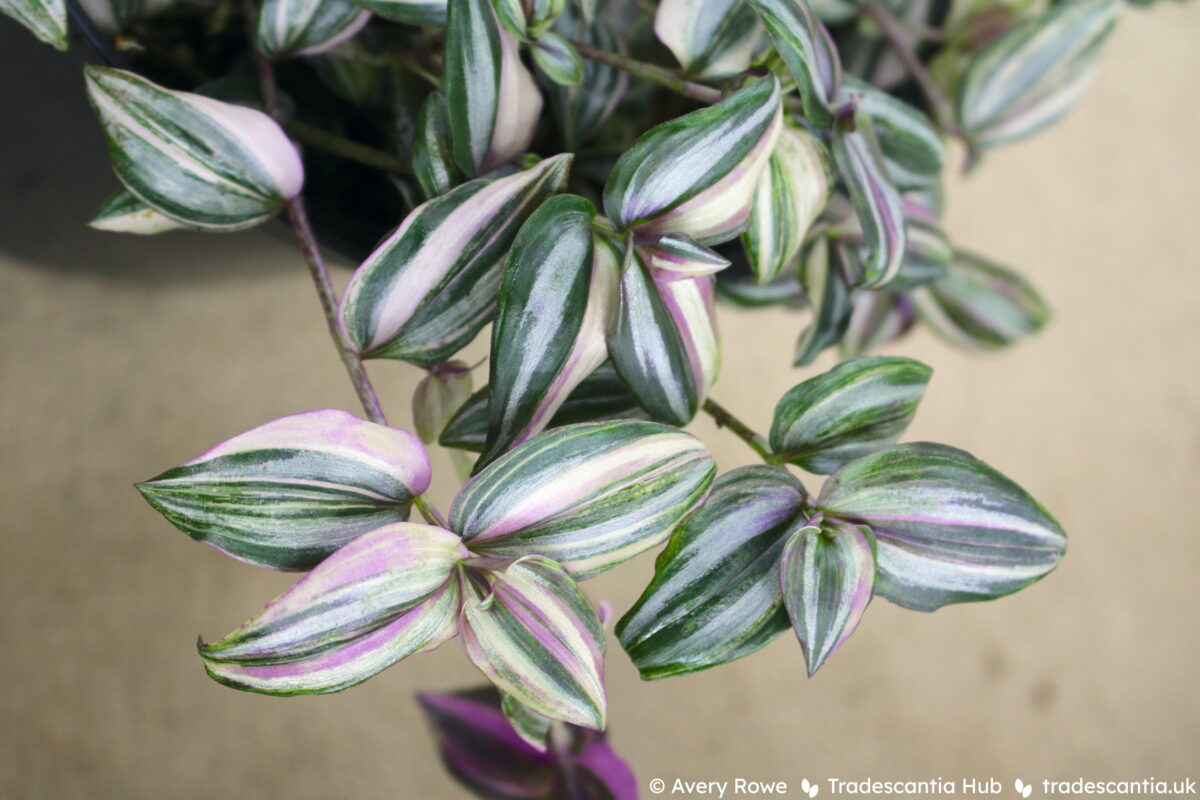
(556, 298)
(822, 274)
(534, 635)
(580, 110)
(493, 102)
(663, 339)
(980, 305)
(45, 19)
(1033, 74)
(808, 51)
(696, 174)
(410, 12)
(677, 255)
(715, 595)
(439, 395)
(557, 59)
(827, 572)
(912, 148)
(856, 408)
(432, 285)
(306, 27)
(949, 528)
(433, 159)
(287, 494)
(124, 213)
(201, 162)
(710, 38)
(590, 496)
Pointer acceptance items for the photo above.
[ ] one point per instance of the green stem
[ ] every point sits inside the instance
(330, 142)
(429, 512)
(650, 72)
(891, 29)
(725, 419)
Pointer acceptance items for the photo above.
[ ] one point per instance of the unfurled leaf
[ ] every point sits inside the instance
(696, 174)
(353, 74)
(511, 14)
(529, 629)
(980, 304)
(600, 397)
(709, 38)
(823, 275)
(529, 725)
(590, 496)
(432, 285)
(305, 27)
(492, 100)
(877, 318)
(124, 213)
(949, 528)
(927, 251)
(556, 299)
(856, 408)
(827, 572)
(45, 19)
(438, 397)
(199, 161)
(784, 290)
(912, 148)
(876, 201)
(411, 12)
(790, 195)
(1033, 74)
(287, 494)
(715, 595)
(580, 110)
(679, 255)
(663, 339)
(433, 159)
(808, 51)
(557, 59)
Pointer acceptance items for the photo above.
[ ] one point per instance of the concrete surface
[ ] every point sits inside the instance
(123, 356)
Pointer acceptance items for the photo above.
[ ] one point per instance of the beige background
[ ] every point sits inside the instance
(124, 356)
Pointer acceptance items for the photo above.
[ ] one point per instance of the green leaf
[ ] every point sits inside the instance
(927, 251)
(433, 159)
(45, 19)
(306, 27)
(912, 148)
(808, 51)
(716, 592)
(856, 408)
(124, 213)
(949, 528)
(557, 59)
(410, 12)
(822, 274)
(579, 111)
(528, 724)
(709, 38)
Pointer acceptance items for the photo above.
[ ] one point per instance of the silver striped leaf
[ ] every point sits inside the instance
(806, 47)
(557, 59)
(288, 493)
(306, 27)
(912, 148)
(433, 157)
(877, 318)
(823, 274)
(679, 255)
(527, 723)
(715, 595)
(113, 16)
(411, 12)
(579, 111)
(45, 19)
(121, 212)
(709, 38)
(949, 528)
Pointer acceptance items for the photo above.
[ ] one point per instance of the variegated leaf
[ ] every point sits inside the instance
(823, 275)
(679, 255)
(709, 38)
(827, 572)
(696, 174)
(433, 159)
(663, 339)
(287, 494)
(199, 161)
(1033, 74)
(927, 251)
(579, 111)
(306, 27)
(556, 299)
(912, 148)
(411, 12)
(529, 725)
(493, 102)
(949, 528)
(432, 285)
(856, 408)
(113, 16)
(790, 195)
(45, 19)
(807, 49)
(590, 496)
(877, 319)
(438, 397)
(124, 213)
(980, 305)
(715, 595)
(557, 59)
(529, 629)
(600, 397)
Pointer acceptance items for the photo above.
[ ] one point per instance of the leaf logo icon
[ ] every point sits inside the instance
(811, 789)
(1024, 789)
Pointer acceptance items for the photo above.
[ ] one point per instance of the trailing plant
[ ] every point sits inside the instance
(589, 178)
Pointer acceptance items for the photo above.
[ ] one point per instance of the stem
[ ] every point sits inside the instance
(941, 106)
(724, 419)
(650, 72)
(431, 514)
(348, 149)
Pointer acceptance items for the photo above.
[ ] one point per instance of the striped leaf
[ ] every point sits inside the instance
(557, 59)
(201, 162)
(306, 27)
(411, 12)
(927, 251)
(589, 496)
(529, 629)
(856, 408)
(715, 595)
(860, 163)
(432, 285)
(663, 339)
(980, 305)
(678, 255)
(114, 16)
(709, 38)
(1032, 75)
(827, 572)
(556, 299)
(529, 725)
(493, 102)
(805, 46)
(877, 319)
(438, 396)
(912, 148)
(124, 213)
(822, 274)
(696, 174)
(287, 494)
(45, 19)
(579, 111)
(600, 397)
(433, 160)
(313, 638)
(949, 528)
(790, 195)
